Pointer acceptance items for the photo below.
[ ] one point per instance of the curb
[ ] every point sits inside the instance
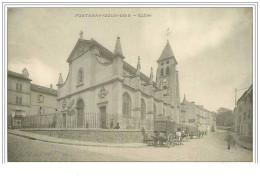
(243, 146)
(239, 144)
(78, 144)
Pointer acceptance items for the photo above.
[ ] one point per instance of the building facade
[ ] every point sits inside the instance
(102, 90)
(43, 100)
(18, 96)
(243, 114)
(195, 117)
(27, 99)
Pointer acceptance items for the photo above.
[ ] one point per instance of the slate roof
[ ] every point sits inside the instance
(18, 75)
(167, 52)
(43, 89)
(246, 93)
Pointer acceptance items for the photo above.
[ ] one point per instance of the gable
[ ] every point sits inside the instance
(81, 47)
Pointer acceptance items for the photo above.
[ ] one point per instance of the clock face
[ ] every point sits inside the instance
(165, 80)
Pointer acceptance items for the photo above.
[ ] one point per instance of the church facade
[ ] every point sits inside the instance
(101, 90)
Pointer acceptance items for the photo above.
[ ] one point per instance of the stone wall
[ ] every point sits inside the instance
(92, 135)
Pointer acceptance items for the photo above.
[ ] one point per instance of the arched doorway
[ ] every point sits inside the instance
(80, 113)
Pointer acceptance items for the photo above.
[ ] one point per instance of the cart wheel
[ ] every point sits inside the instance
(168, 144)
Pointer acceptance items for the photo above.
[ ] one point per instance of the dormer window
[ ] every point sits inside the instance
(80, 76)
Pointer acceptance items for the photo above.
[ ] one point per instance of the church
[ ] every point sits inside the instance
(102, 90)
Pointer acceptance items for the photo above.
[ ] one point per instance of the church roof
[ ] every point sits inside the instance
(103, 50)
(108, 54)
(167, 52)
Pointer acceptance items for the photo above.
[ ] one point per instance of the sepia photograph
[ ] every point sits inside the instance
(130, 84)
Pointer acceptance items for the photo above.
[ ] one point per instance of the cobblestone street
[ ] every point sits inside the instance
(211, 147)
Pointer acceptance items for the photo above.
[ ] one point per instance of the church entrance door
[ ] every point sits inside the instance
(103, 117)
(80, 113)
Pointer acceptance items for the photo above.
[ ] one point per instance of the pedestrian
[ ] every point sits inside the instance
(229, 138)
(117, 126)
(178, 135)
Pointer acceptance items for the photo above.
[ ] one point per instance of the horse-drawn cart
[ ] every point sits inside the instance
(164, 132)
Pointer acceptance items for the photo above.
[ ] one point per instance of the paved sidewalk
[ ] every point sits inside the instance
(241, 143)
(45, 138)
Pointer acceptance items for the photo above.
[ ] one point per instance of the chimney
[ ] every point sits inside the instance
(25, 73)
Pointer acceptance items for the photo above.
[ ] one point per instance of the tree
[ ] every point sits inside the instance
(225, 118)
(222, 110)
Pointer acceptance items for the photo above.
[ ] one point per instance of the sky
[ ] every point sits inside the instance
(213, 46)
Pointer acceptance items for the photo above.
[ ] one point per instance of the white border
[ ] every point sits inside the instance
(134, 175)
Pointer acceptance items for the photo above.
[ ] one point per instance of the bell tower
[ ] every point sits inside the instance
(167, 76)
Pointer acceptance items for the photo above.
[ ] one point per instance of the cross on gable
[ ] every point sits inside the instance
(168, 33)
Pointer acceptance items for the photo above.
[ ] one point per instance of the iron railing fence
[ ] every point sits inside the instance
(95, 121)
(86, 120)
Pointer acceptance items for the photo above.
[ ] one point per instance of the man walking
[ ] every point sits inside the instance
(229, 138)
(178, 136)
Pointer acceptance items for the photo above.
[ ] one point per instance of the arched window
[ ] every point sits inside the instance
(167, 70)
(161, 71)
(154, 111)
(80, 112)
(143, 110)
(80, 76)
(126, 105)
